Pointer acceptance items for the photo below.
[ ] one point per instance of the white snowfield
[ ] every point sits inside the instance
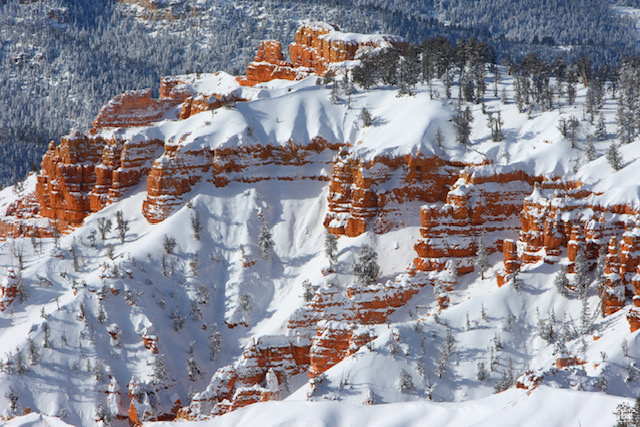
(181, 301)
(542, 407)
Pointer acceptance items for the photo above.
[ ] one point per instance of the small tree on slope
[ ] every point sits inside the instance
(265, 241)
(614, 158)
(366, 268)
(482, 258)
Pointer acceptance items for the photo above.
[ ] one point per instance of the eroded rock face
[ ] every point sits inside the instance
(559, 215)
(332, 326)
(316, 47)
(483, 204)
(361, 190)
(137, 108)
(179, 169)
(9, 288)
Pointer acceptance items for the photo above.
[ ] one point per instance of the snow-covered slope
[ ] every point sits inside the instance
(82, 339)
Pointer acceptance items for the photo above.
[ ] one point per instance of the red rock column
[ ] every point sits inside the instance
(613, 286)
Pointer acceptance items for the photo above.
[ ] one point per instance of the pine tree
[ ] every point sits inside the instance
(265, 241)
(601, 129)
(462, 122)
(215, 341)
(34, 352)
(159, 369)
(366, 267)
(482, 258)
(330, 247)
(168, 244)
(614, 158)
(581, 270)
(365, 118)
(196, 225)
(405, 382)
(561, 282)
(309, 291)
(590, 151)
(122, 225)
(104, 227)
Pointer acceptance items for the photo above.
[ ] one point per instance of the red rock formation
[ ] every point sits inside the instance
(511, 261)
(363, 190)
(563, 362)
(137, 108)
(329, 328)
(316, 47)
(179, 168)
(481, 204)
(9, 288)
(633, 317)
(240, 384)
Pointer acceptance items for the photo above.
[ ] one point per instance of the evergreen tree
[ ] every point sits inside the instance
(366, 267)
(365, 118)
(104, 227)
(405, 382)
(330, 247)
(561, 282)
(215, 341)
(462, 122)
(122, 225)
(614, 158)
(601, 129)
(265, 241)
(590, 150)
(159, 369)
(482, 258)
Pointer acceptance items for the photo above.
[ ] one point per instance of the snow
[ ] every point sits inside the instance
(544, 406)
(279, 113)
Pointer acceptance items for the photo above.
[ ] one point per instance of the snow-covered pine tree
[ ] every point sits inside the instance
(168, 244)
(482, 258)
(366, 267)
(196, 225)
(104, 227)
(330, 247)
(405, 382)
(265, 241)
(159, 369)
(309, 291)
(614, 158)
(122, 225)
(462, 122)
(600, 131)
(581, 270)
(560, 282)
(215, 341)
(590, 150)
(366, 119)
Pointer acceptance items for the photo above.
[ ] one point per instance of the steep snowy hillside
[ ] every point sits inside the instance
(216, 247)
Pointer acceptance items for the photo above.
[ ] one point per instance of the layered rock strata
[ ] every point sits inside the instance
(361, 190)
(560, 215)
(332, 326)
(317, 46)
(483, 203)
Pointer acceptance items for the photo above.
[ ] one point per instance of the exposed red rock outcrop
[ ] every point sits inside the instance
(137, 108)
(362, 190)
(329, 328)
(9, 288)
(483, 203)
(560, 214)
(316, 47)
(179, 168)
